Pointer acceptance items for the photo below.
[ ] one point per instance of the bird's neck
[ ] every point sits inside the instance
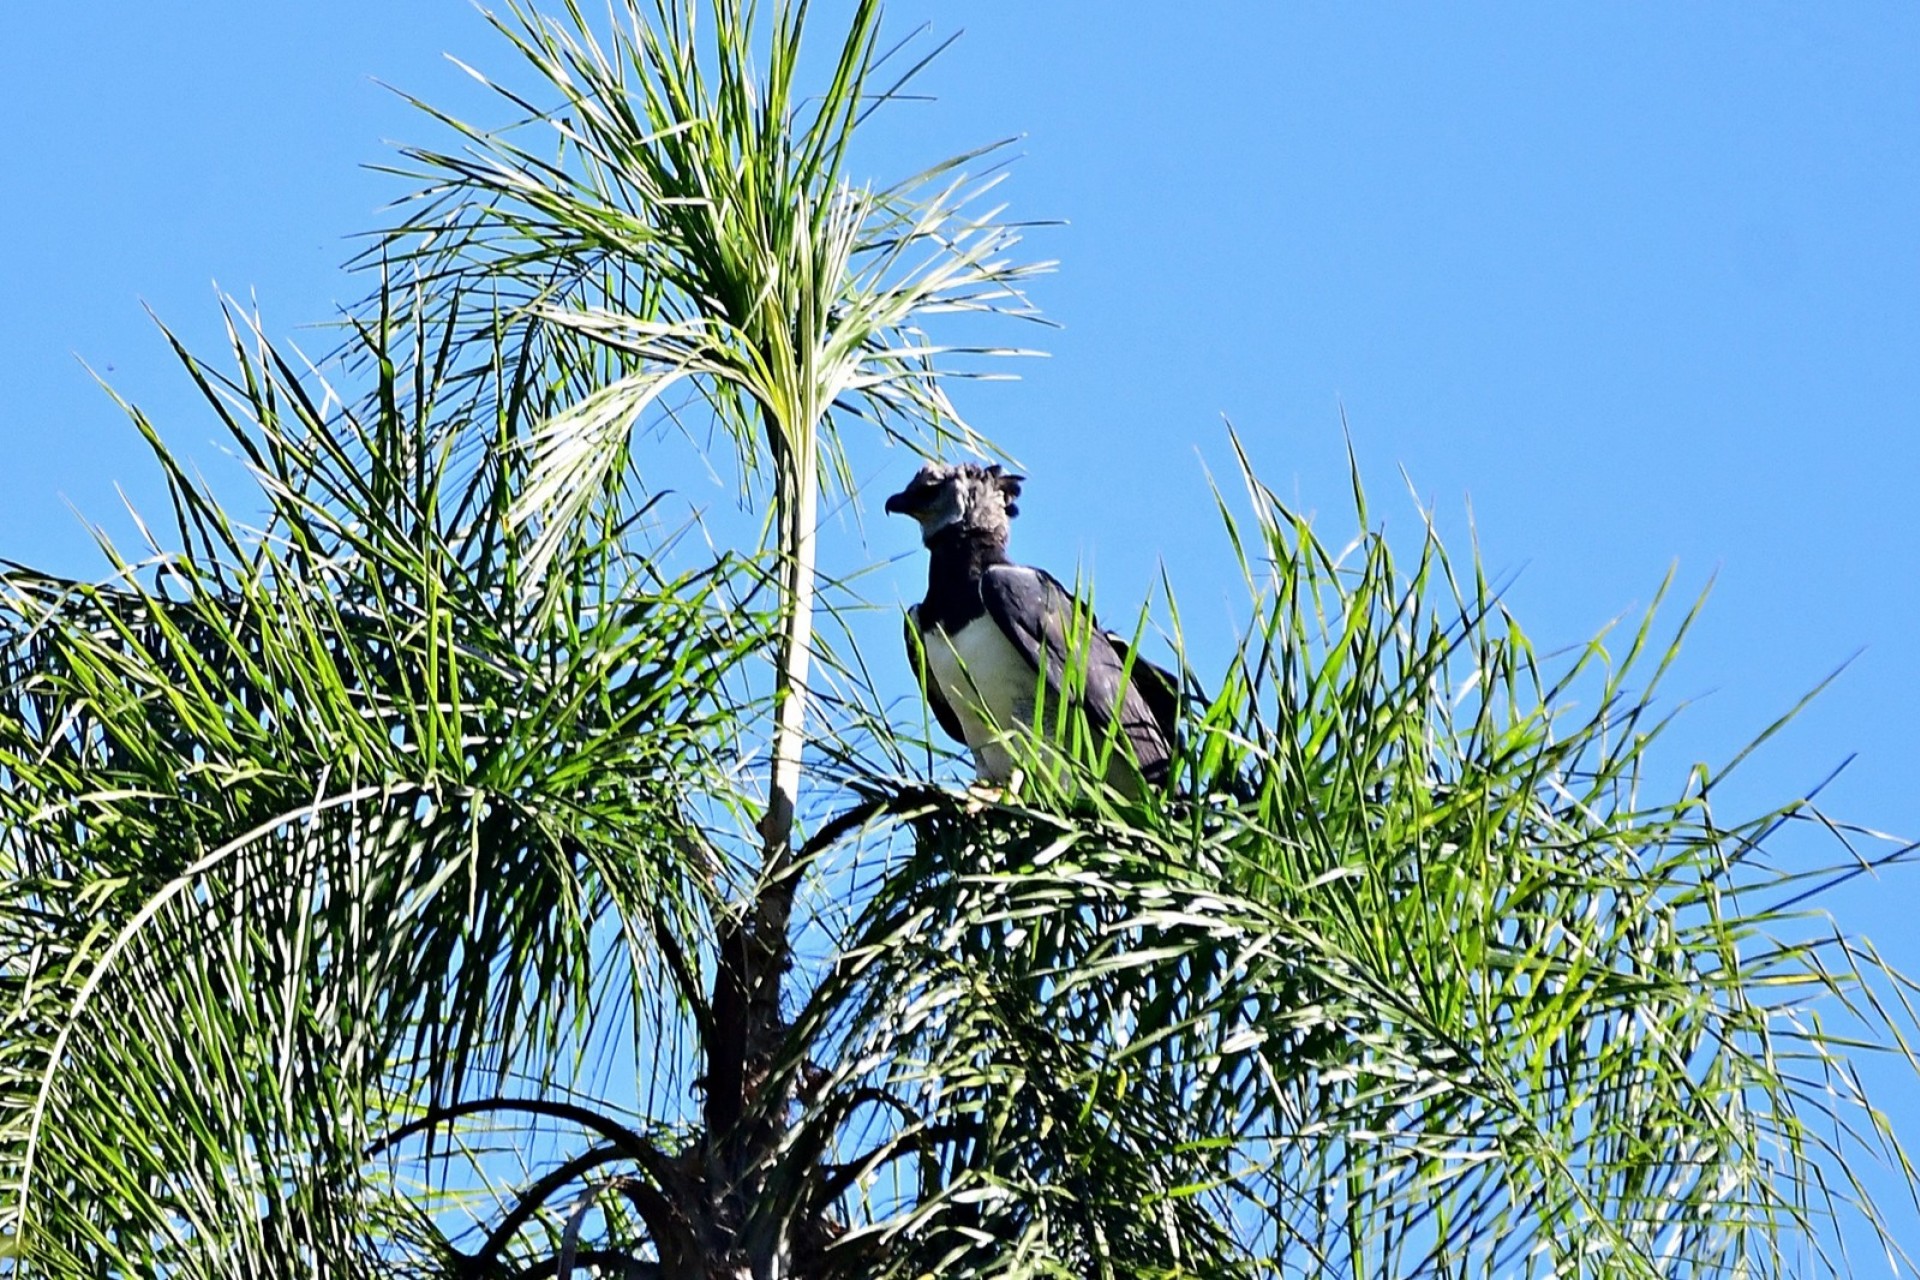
(957, 559)
(960, 554)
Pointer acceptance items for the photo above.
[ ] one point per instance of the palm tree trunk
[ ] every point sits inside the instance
(798, 536)
(744, 1127)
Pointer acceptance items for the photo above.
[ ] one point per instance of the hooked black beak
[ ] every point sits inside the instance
(899, 505)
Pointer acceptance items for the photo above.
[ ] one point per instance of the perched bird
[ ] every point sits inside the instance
(993, 638)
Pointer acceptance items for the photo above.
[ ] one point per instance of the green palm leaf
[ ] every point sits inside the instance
(340, 807)
(1414, 980)
(388, 887)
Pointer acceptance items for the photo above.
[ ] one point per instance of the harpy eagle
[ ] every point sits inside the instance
(993, 638)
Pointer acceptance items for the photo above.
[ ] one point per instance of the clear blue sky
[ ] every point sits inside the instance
(1640, 282)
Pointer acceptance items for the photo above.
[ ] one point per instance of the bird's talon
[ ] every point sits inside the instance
(985, 795)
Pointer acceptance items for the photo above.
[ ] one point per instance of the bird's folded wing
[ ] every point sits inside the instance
(1035, 612)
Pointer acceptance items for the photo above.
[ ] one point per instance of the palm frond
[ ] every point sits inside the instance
(693, 213)
(350, 805)
(1412, 979)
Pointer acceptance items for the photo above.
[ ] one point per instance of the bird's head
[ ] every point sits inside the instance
(963, 494)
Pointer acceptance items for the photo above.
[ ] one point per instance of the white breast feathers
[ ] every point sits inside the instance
(990, 687)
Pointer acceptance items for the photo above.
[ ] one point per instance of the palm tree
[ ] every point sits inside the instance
(475, 871)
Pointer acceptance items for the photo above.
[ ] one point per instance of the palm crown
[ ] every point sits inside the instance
(468, 873)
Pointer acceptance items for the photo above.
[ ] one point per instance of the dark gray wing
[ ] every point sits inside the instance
(1035, 612)
(917, 655)
(1157, 685)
